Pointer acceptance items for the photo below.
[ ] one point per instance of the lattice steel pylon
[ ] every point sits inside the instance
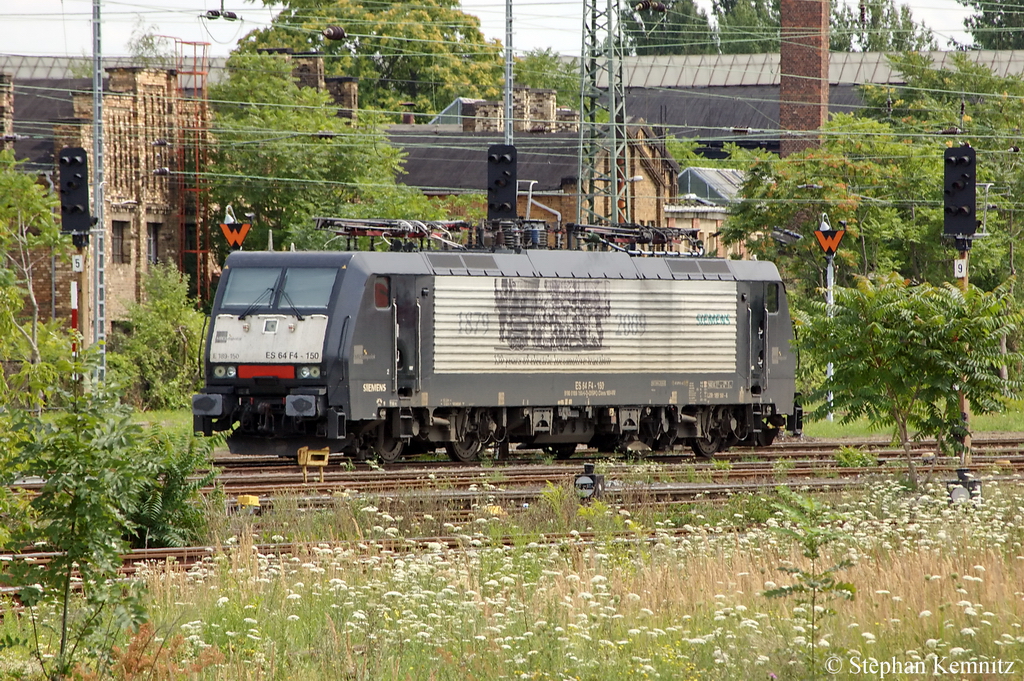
(603, 191)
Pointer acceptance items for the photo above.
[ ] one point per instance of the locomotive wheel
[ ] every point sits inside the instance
(705, 447)
(466, 450)
(561, 451)
(766, 437)
(605, 443)
(388, 447)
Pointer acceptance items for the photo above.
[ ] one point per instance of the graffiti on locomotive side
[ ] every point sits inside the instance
(552, 314)
(473, 323)
(631, 324)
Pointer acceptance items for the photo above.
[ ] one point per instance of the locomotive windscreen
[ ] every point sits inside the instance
(270, 288)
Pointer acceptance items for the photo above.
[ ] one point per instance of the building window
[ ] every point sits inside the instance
(119, 237)
(190, 237)
(153, 243)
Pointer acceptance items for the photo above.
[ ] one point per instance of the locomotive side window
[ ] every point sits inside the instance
(771, 298)
(250, 286)
(382, 292)
(308, 286)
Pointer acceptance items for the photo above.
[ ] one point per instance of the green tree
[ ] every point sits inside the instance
(29, 238)
(753, 26)
(546, 69)
(683, 29)
(995, 25)
(285, 157)
(685, 152)
(813, 525)
(156, 354)
(427, 53)
(88, 459)
(901, 353)
(747, 26)
(966, 102)
(877, 26)
(148, 48)
(883, 185)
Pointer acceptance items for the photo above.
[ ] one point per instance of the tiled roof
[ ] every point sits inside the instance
(747, 115)
(846, 68)
(32, 67)
(717, 185)
(442, 157)
(38, 104)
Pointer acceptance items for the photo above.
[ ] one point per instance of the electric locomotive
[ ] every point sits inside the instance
(377, 354)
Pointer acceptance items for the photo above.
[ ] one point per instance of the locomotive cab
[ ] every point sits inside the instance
(267, 367)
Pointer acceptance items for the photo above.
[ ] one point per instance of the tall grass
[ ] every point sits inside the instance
(1009, 420)
(651, 592)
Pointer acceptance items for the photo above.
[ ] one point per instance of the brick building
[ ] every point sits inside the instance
(6, 112)
(153, 121)
(533, 110)
(448, 156)
(156, 139)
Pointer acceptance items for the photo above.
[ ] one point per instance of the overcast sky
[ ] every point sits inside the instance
(63, 27)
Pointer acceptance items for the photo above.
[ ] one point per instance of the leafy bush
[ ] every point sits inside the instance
(156, 356)
(105, 481)
(88, 461)
(812, 525)
(166, 512)
(853, 457)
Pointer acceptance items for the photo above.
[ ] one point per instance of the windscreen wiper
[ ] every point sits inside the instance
(288, 299)
(256, 303)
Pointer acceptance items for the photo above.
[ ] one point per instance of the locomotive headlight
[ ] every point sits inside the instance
(220, 371)
(309, 372)
(304, 372)
(314, 372)
(232, 372)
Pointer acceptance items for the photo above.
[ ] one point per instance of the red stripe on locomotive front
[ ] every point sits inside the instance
(266, 371)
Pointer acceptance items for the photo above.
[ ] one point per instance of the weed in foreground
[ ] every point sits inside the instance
(810, 524)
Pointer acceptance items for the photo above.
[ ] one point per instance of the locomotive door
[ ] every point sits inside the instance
(407, 318)
(757, 316)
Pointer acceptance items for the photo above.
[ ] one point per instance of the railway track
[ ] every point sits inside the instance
(462, 491)
(660, 480)
(465, 503)
(796, 459)
(183, 558)
(995, 446)
(467, 493)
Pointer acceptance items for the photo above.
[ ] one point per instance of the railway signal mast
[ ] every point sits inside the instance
(960, 222)
(829, 240)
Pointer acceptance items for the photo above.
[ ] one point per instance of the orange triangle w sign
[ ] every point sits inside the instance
(235, 232)
(829, 240)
